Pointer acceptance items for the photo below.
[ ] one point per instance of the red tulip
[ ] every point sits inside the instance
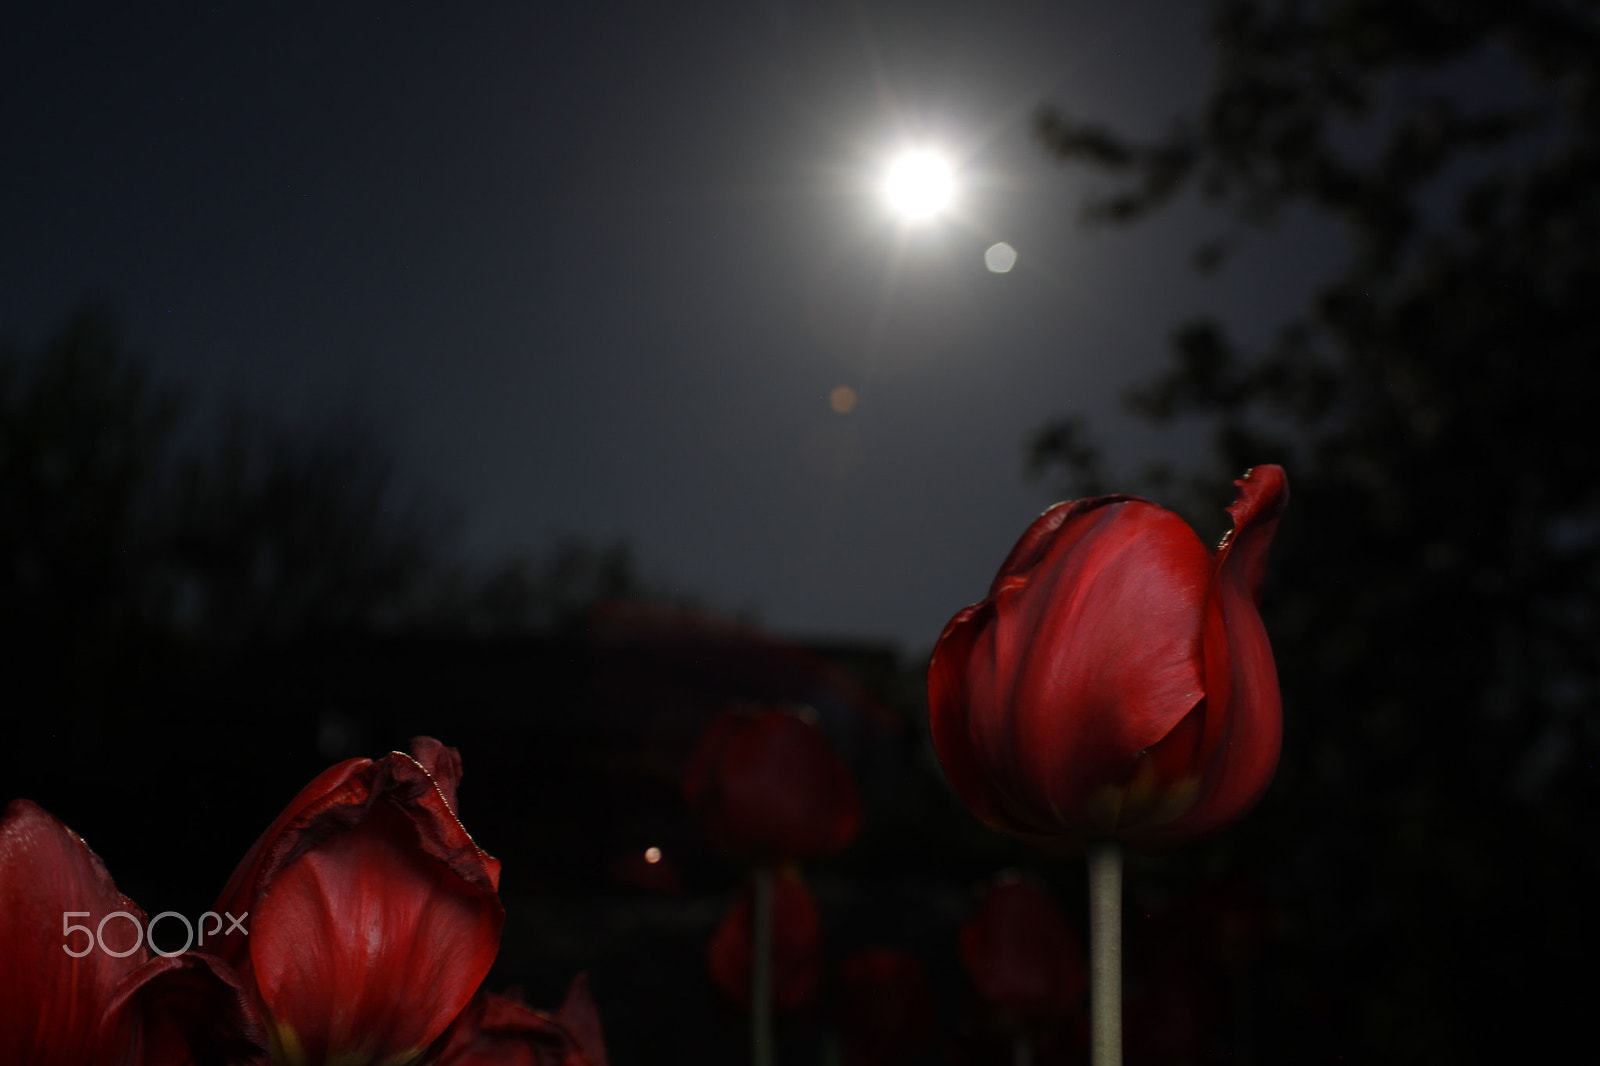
(78, 985)
(887, 1014)
(503, 1031)
(1117, 681)
(767, 785)
(796, 945)
(1025, 961)
(373, 916)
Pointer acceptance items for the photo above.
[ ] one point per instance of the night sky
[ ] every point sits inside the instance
(594, 270)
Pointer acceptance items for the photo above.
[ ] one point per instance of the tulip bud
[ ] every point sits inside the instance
(796, 945)
(767, 785)
(1025, 961)
(1117, 681)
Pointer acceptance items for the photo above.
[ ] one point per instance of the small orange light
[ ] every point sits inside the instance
(842, 399)
(652, 855)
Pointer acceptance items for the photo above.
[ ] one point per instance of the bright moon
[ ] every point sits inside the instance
(919, 185)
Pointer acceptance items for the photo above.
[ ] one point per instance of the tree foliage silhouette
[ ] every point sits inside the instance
(108, 536)
(1436, 587)
(81, 432)
(260, 533)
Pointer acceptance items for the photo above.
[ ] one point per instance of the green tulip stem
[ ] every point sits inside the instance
(1105, 953)
(761, 1051)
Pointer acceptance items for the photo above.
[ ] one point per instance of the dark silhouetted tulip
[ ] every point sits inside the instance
(498, 1030)
(1117, 681)
(374, 917)
(1025, 961)
(887, 1014)
(796, 945)
(78, 985)
(767, 785)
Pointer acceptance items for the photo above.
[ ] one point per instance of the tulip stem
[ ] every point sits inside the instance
(761, 1051)
(1105, 953)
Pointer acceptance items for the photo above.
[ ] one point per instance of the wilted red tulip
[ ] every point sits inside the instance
(767, 785)
(1025, 961)
(504, 1031)
(887, 1014)
(1117, 681)
(373, 915)
(78, 984)
(796, 945)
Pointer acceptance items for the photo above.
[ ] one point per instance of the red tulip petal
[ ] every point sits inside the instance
(238, 896)
(192, 1008)
(1034, 544)
(55, 1009)
(1085, 659)
(375, 915)
(948, 711)
(1240, 762)
(1242, 557)
(365, 945)
(501, 1030)
(442, 764)
(581, 1018)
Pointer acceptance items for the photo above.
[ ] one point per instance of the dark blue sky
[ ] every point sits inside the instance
(594, 269)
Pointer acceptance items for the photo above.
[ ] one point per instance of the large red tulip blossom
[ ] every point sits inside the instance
(1117, 682)
(767, 785)
(1025, 961)
(374, 916)
(80, 985)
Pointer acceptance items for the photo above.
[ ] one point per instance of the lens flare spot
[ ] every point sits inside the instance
(842, 399)
(1000, 258)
